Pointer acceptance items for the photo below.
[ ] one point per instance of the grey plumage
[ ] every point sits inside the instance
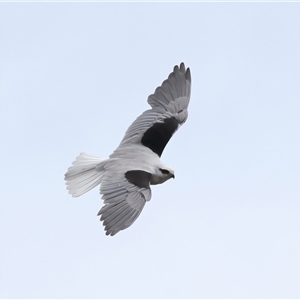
(125, 177)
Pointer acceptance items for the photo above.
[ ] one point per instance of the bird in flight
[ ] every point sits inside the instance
(125, 177)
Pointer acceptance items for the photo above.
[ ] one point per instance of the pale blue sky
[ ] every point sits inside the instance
(73, 76)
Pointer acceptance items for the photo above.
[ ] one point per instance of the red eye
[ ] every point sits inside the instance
(164, 171)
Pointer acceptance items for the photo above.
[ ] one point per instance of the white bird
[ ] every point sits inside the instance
(125, 177)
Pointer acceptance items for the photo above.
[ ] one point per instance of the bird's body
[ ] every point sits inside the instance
(125, 177)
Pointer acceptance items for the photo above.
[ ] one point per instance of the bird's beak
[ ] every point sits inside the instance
(173, 176)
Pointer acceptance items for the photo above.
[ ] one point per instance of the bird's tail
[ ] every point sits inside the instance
(85, 173)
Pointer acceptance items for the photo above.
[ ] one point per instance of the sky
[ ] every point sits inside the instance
(73, 76)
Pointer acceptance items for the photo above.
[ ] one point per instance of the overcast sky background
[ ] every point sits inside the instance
(73, 78)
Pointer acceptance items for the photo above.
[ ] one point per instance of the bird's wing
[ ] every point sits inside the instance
(155, 127)
(124, 195)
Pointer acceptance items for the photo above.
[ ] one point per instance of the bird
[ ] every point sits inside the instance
(125, 177)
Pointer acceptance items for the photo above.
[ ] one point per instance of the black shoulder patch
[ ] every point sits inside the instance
(157, 136)
(139, 178)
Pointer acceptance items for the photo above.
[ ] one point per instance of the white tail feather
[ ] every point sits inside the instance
(85, 173)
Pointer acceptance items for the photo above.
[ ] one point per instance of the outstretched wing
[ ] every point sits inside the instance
(155, 127)
(124, 196)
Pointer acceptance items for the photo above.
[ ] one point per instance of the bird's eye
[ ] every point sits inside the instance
(164, 171)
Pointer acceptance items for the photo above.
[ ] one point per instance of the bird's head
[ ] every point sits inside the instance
(162, 174)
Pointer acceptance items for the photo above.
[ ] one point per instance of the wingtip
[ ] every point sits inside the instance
(188, 75)
(182, 67)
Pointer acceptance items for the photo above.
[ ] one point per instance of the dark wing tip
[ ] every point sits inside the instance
(182, 67)
(188, 75)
